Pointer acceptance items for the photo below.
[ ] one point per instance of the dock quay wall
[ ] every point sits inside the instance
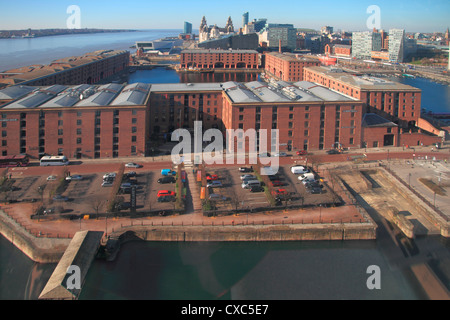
(38, 249)
(363, 231)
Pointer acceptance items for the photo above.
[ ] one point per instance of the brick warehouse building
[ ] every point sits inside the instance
(113, 120)
(89, 68)
(218, 59)
(83, 121)
(178, 105)
(399, 102)
(308, 116)
(393, 101)
(286, 66)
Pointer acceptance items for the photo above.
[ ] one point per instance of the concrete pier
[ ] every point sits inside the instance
(79, 255)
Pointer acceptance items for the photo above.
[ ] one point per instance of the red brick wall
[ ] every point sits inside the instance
(374, 137)
(417, 139)
(213, 59)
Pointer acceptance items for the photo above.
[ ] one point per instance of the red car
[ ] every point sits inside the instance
(211, 177)
(163, 193)
(280, 192)
(302, 153)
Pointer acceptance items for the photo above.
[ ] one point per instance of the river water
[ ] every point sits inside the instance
(19, 52)
(237, 270)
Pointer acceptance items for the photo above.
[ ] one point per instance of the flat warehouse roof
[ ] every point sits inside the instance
(84, 95)
(362, 81)
(280, 91)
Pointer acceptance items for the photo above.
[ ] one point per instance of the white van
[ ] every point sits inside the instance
(250, 183)
(308, 175)
(299, 170)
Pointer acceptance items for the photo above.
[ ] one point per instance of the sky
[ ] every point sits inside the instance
(351, 15)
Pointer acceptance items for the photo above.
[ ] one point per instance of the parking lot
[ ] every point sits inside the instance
(285, 186)
(231, 190)
(87, 195)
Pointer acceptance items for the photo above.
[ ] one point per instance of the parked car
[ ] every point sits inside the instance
(274, 177)
(276, 183)
(257, 189)
(308, 180)
(109, 175)
(313, 184)
(166, 198)
(280, 154)
(163, 193)
(74, 177)
(168, 179)
(248, 184)
(214, 183)
(132, 165)
(333, 151)
(248, 176)
(280, 192)
(308, 175)
(211, 177)
(123, 206)
(302, 153)
(168, 172)
(59, 197)
(314, 190)
(107, 183)
(130, 174)
(217, 197)
(51, 178)
(264, 155)
(299, 170)
(245, 169)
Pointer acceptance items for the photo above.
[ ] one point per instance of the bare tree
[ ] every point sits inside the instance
(96, 204)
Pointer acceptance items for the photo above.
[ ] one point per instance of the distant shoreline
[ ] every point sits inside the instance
(39, 33)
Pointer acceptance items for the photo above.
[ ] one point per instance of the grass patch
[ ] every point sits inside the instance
(433, 186)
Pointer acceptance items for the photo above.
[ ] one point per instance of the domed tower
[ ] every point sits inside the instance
(215, 33)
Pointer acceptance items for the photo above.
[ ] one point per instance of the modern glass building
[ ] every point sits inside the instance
(396, 45)
(363, 43)
(187, 28)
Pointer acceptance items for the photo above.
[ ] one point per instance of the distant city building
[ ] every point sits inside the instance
(213, 32)
(342, 50)
(327, 30)
(165, 45)
(397, 45)
(254, 26)
(244, 19)
(363, 43)
(274, 35)
(232, 41)
(187, 28)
